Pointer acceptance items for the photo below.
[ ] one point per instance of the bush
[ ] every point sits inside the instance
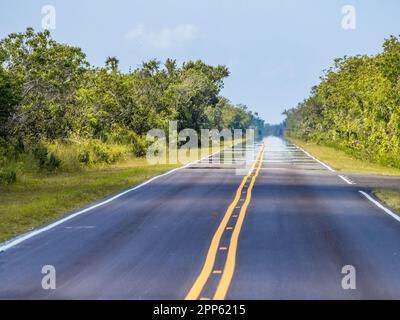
(10, 148)
(105, 153)
(78, 153)
(100, 150)
(40, 153)
(120, 135)
(140, 146)
(7, 176)
(84, 157)
(52, 162)
(46, 160)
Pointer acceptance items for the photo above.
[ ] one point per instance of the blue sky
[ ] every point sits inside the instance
(276, 50)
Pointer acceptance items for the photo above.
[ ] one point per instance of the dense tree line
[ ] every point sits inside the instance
(356, 107)
(49, 92)
(277, 130)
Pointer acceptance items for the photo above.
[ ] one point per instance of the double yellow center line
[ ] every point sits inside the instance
(229, 268)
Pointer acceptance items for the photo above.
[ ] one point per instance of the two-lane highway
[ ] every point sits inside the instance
(284, 231)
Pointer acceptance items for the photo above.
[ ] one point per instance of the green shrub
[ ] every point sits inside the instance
(46, 160)
(106, 153)
(52, 162)
(78, 153)
(40, 153)
(69, 152)
(84, 157)
(101, 151)
(124, 136)
(10, 148)
(7, 176)
(140, 146)
(120, 135)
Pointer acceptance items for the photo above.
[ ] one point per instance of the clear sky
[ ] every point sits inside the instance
(276, 50)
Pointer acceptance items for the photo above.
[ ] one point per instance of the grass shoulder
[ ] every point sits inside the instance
(390, 197)
(342, 161)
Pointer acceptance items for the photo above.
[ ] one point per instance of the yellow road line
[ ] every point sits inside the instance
(229, 269)
(212, 251)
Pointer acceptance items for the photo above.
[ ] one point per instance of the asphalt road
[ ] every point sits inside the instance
(285, 231)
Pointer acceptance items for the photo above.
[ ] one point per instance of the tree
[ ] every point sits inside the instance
(49, 74)
(49, 92)
(355, 107)
(10, 96)
(112, 64)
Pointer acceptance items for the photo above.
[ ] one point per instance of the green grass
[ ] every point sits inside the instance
(390, 197)
(341, 161)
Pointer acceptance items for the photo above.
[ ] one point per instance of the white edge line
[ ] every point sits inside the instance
(325, 165)
(312, 157)
(379, 205)
(345, 179)
(13, 242)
